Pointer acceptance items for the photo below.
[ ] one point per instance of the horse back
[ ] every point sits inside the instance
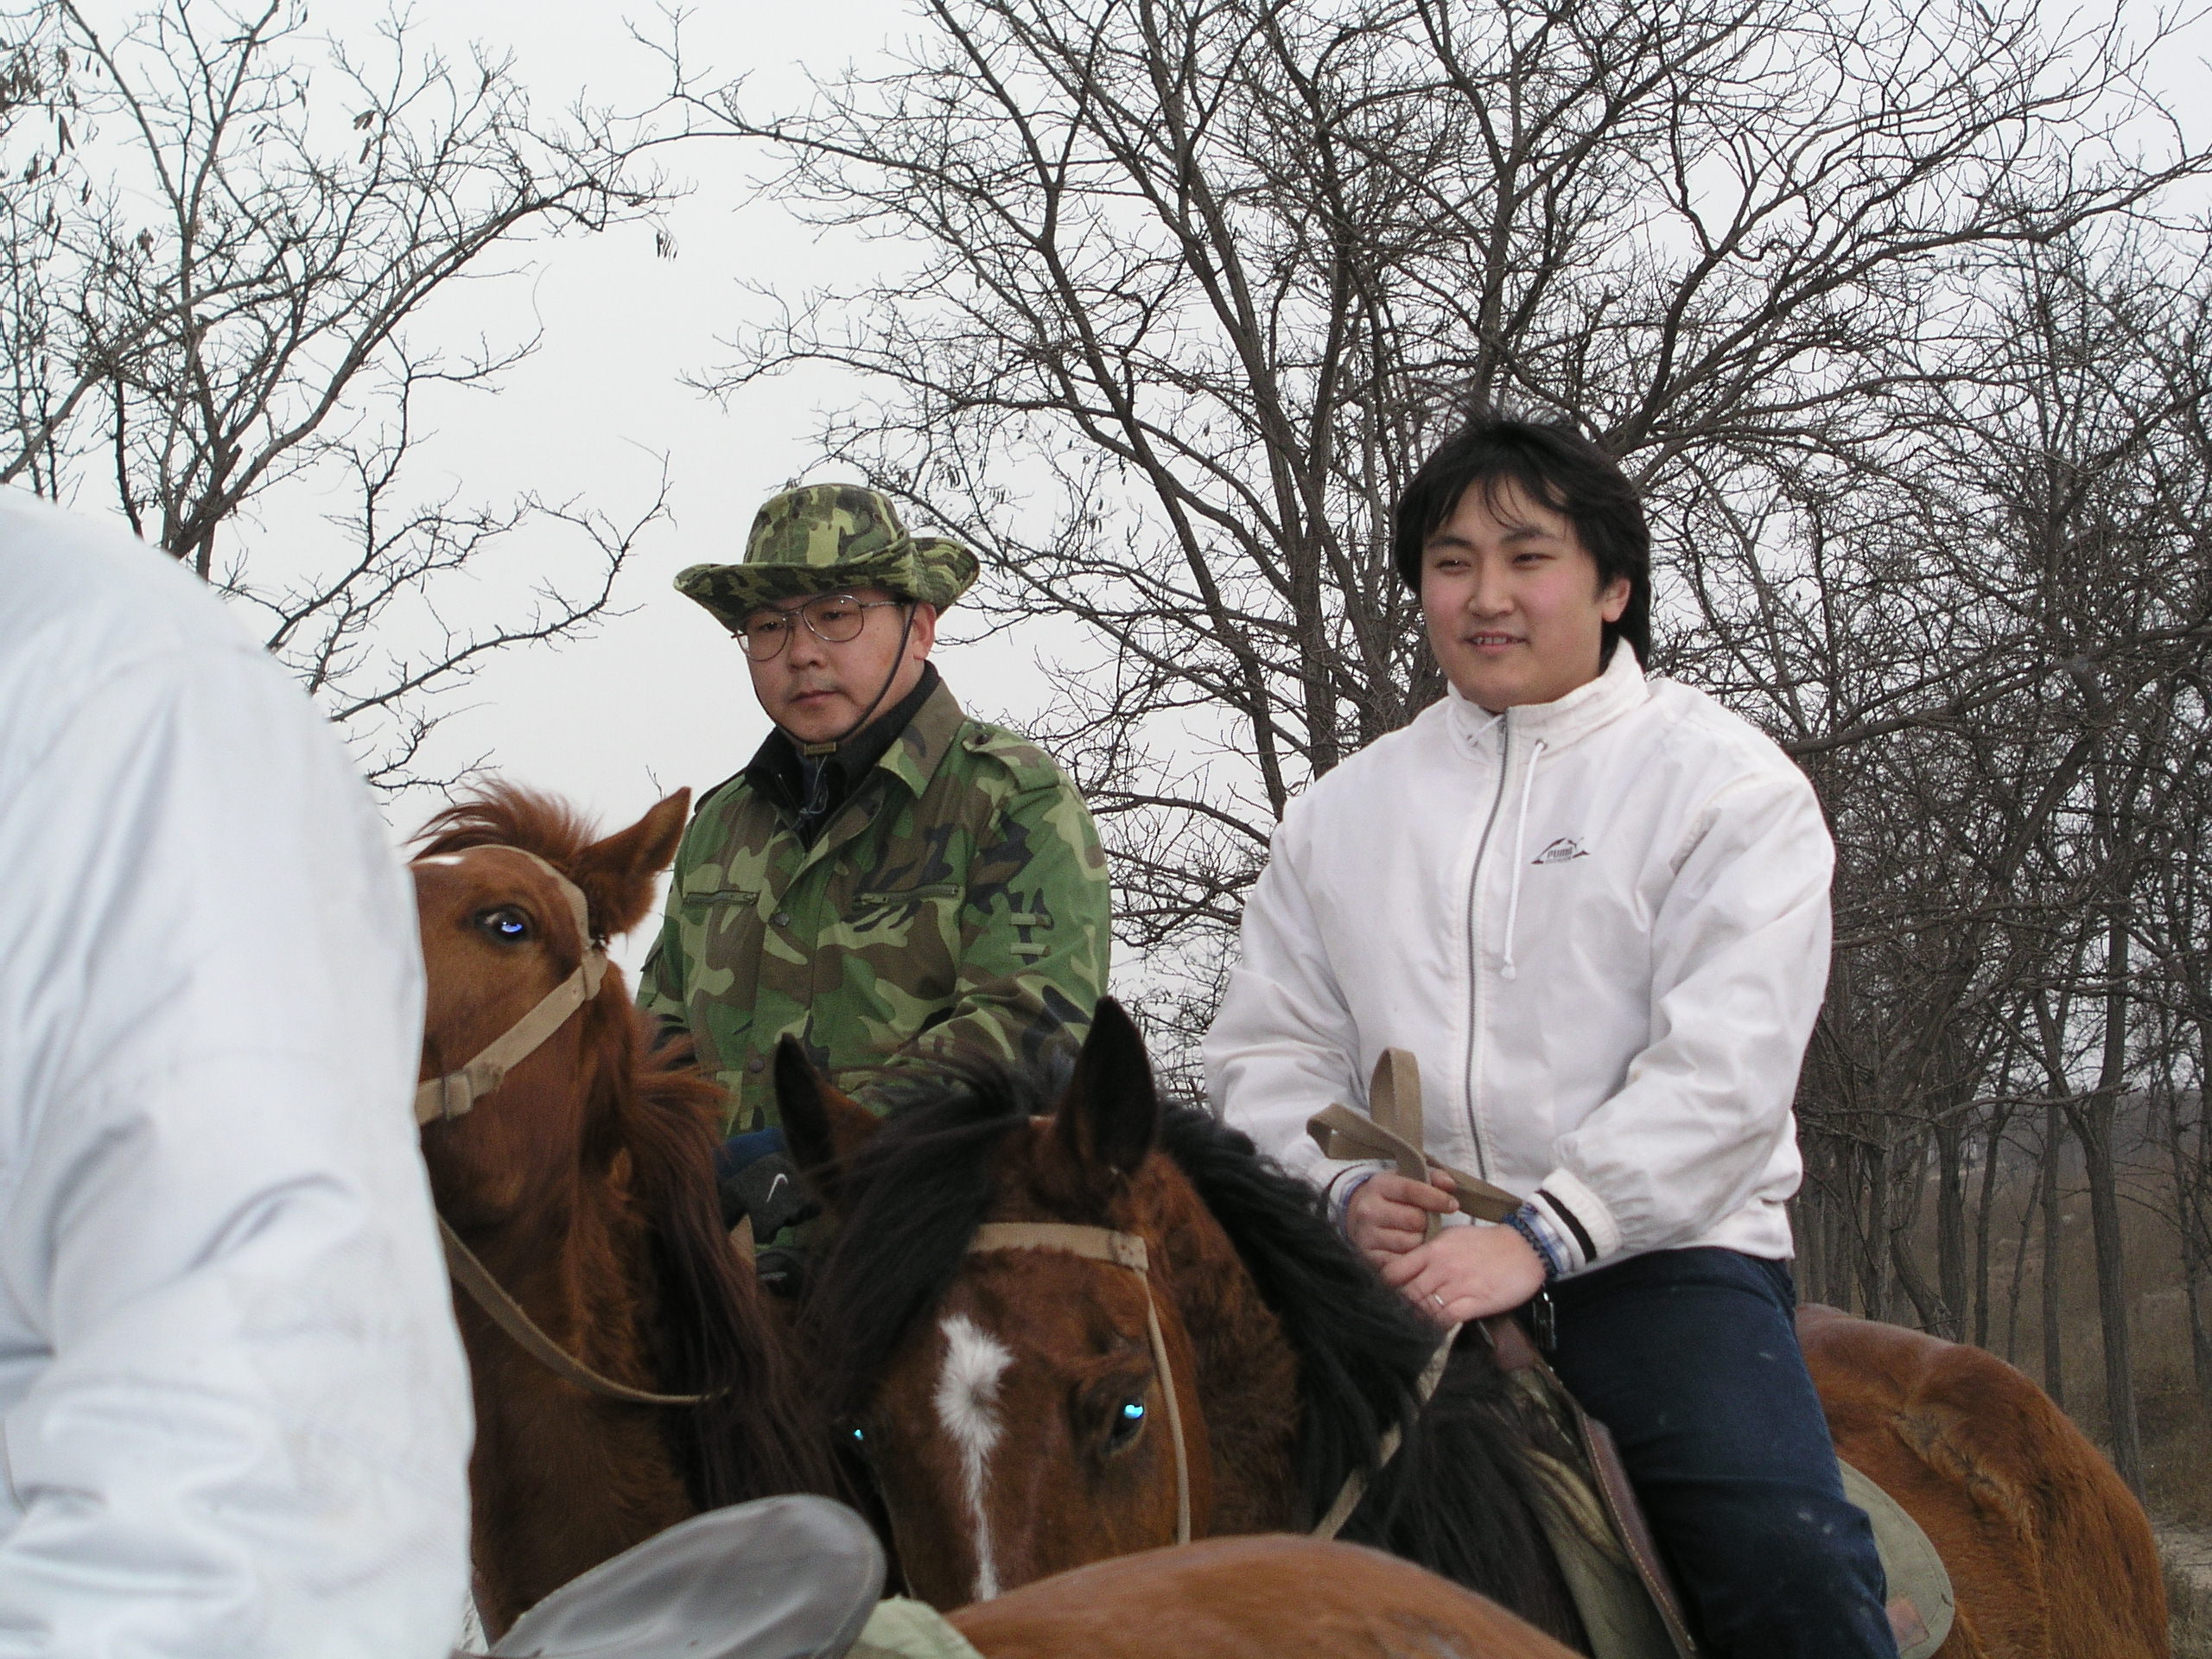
(1265, 1597)
(2049, 1552)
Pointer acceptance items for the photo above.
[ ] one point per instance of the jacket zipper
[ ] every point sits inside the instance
(1474, 942)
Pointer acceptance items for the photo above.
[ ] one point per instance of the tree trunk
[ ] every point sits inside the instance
(1983, 1221)
(2094, 1123)
(1873, 1268)
(2096, 1127)
(2053, 1258)
(1927, 1303)
(1803, 1212)
(2192, 1189)
(1951, 1230)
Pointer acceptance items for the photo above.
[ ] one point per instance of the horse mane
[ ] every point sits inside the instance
(753, 1436)
(916, 1192)
(912, 1198)
(506, 815)
(1361, 1352)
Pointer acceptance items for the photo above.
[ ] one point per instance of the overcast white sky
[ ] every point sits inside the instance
(658, 698)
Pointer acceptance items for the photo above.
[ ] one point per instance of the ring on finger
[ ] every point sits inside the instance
(1438, 1299)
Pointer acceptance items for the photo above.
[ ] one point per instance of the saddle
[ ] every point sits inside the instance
(1596, 1527)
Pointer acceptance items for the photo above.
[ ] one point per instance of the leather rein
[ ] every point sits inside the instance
(444, 1098)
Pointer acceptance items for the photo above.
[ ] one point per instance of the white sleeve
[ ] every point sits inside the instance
(1284, 1045)
(1739, 965)
(233, 1408)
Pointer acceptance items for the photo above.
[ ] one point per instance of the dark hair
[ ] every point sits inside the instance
(1556, 464)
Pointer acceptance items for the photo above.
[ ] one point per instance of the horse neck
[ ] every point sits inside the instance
(561, 1479)
(1247, 1373)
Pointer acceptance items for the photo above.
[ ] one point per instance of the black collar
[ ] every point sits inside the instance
(778, 774)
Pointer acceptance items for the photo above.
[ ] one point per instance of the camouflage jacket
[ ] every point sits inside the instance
(957, 899)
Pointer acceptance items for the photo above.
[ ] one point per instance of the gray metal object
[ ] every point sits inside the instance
(784, 1578)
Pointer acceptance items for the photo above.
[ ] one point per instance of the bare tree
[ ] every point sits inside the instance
(228, 227)
(1887, 307)
(2004, 871)
(1197, 280)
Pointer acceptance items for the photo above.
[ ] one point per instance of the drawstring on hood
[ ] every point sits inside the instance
(1520, 849)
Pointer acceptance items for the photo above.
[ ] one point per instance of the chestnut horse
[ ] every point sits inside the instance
(1013, 1410)
(584, 1178)
(1265, 1598)
(1010, 1401)
(583, 1181)
(2049, 1552)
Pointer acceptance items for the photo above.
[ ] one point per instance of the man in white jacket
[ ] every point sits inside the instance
(233, 1410)
(1595, 908)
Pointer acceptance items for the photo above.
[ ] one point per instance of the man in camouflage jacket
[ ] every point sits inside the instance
(886, 887)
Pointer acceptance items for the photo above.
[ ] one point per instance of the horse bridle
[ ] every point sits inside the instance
(1393, 1131)
(457, 1091)
(1123, 1251)
(452, 1095)
(1128, 1250)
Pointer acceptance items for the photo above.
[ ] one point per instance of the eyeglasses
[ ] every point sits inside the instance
(833, 617)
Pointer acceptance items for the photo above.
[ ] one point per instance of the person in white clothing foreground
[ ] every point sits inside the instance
(1594, 907)
(233, 1410)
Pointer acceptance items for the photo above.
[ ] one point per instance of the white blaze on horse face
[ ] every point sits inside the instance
(967, 1404)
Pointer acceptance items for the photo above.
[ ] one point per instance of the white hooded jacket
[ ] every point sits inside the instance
(1600, 924)
(234, 1415)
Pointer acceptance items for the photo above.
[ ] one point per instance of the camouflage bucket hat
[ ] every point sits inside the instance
(823, 538)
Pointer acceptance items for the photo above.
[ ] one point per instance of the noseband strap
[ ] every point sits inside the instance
(1122, 1251)
(448, 1096)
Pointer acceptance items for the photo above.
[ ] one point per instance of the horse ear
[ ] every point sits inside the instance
(617, 874)
(823, 1128)
(1108, 1116)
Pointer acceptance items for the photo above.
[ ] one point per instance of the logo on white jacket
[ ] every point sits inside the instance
(1559, 851)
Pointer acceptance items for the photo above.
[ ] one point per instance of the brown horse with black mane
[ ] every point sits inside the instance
(1018, 1423)
(583, 1183)
(1015, 1411)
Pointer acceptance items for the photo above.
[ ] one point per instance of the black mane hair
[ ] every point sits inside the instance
(911, 1199)
(1458, 1497)
(755, 1434)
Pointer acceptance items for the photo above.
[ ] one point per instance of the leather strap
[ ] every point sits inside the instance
(1122, 1251)
(1392, 1128)
(1609, 1480)
(444, 1098)
(472, 1276)
(1355, 1486)
(448, 1096)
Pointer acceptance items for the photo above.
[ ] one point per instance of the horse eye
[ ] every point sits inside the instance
(1126, 1422)
(505, 925)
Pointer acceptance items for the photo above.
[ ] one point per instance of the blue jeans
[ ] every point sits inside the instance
(1691, 1358)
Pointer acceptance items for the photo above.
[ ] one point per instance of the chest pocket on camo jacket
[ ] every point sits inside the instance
(913, 933)
(722, 934)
